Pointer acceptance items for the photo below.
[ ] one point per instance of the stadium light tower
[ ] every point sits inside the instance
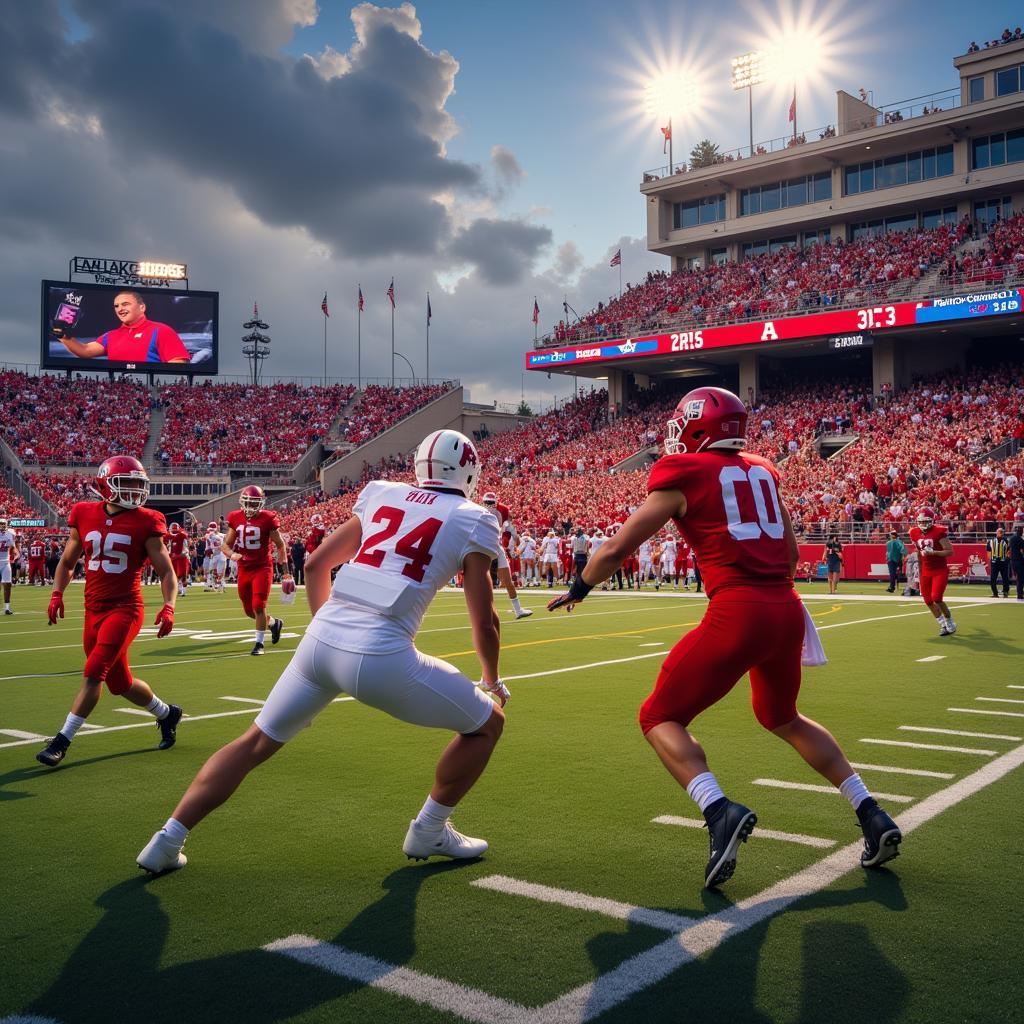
(749, 70)
(671, 95)
(255, 344)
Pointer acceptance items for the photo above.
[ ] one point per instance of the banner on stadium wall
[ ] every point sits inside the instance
(867, 561)
(840, 323)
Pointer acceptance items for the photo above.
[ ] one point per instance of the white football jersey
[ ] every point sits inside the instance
(214, 543)
(595, 543)
(413, 542)
(669, 550)
(7, 542)
(549, 548)
(528, 548)
(645, 551)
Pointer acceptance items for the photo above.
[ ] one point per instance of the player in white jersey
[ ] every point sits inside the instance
(549, 564)
(669, 552)
(400, 547)
(8, 556)
(216, 561)
(645, 564)
(528, 556)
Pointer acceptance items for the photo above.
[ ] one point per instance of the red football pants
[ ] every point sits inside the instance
(933, 586)
(254, 588)
(759, 630)
(106, 638)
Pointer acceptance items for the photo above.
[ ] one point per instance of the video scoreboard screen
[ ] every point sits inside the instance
(146, 330)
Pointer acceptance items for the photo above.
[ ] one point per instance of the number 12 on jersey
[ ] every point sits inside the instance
(762, 487)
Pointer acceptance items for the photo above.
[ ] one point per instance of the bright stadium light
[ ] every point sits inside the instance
(748, 71)
(670, 94)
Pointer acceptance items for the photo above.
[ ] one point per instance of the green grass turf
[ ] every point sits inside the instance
(311, 844)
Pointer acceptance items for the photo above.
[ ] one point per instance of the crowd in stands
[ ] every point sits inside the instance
(218, 424)
(770, 284)
(1007, 37)
(382, 407)
(999, 262)
(12, 506)
(55, 420)
(61, 490)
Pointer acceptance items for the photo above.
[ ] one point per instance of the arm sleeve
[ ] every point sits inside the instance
(74, 518)
(483, 537)
(159, 528)
(275, 522)
(669, 473)
(169, 345)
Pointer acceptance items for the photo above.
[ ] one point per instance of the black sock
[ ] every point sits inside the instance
(866, 809)
(712, 811)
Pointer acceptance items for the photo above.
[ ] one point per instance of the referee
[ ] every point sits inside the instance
(1017, 559)
(998, 549)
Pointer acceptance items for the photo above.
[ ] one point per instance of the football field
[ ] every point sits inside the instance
(298, 904)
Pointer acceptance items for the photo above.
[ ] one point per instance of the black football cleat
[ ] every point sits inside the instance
(53, 753)
(257, 649)
(7, 611)
(882, 839)
(275, 630)
(168, 727)
(731, 825)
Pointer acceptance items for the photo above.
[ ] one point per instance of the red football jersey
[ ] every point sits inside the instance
(733, 520)
(37, 549)
(115, 550)
(926, 541)
(178, 543)
(252, 540)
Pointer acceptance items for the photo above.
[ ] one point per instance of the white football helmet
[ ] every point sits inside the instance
(211, 528)
(925, 519)
(3, 524)
(447, 458)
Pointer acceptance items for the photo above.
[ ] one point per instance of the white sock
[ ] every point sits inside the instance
(705, 790)
(854, 790)
(71, 725)
(176, 832)
(516, 606)
(260, 634)
(433, 815)
(158, 708)
(7, 606)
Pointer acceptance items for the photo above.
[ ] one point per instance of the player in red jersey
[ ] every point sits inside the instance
(181, 556)
(251, 530)
(934, 548)
(316, 534)
(502, 568)
(117, 534)
(37, 561)
(725, 504)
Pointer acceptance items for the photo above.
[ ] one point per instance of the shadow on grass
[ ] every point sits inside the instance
(38, 771)
(115, 974)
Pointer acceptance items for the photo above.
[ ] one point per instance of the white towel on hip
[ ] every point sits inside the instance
(813, 653)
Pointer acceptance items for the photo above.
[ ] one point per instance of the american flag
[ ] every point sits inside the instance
(361, 298)
(616, 260)
(429, 314)
(536, 312)
(391, 292)
(323, 305)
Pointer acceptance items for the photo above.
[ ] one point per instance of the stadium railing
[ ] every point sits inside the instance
(877, 531)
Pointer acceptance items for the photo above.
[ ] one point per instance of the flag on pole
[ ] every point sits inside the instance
(429, 314)
(667, 132)
(361, 298)
(536, 312)
(792, 108)
(391, 292)
(616, 260)
(323, 305)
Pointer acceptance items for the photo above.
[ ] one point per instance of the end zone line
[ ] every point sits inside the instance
(961, 732)
(758, 833)
(660, 919)
(902, 771)
(810, 787)
(987, 711)
(931, 746)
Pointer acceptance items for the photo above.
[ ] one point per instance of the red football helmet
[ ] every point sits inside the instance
(490, 498)
(252, 500)
(122, 480)
(211, 527)
(925, 518)
(706, 418)
(175, 528)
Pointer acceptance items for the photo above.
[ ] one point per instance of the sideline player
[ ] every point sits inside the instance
(503, 568)
(251, 531)
(216, 562)
(401, 545)
(934, 548)
(8, 555)
(177, 545)
(725, 504)
(37, 561)
(117, 534)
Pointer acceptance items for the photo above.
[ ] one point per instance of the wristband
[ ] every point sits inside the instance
(579, 589)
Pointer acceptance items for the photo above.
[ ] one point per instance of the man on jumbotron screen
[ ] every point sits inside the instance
(136, 340)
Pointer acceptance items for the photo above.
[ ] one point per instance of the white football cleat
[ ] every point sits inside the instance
(160, 855)
(951, 627)
(525, 613)
(420, 844)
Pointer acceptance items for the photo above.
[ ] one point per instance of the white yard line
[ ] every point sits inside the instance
(1014, 686)
(1001, 700)
(758, 833)
(810, 787)
(931, 746)
(987, 711)
(580, 668)
(20, 734)
(245, 700)
(960, 732)
(661, 919)
(932, 657)
(134, 711)
(889, 769)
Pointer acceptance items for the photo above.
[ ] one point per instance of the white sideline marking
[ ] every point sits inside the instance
(443, 995)
(246, 700)
(20, 734)
(656, 643)
(758, 833)
(340, 700)
(90, 725)
(960, 732)
(810, 787)
(1014, 686)
(903, 771)
(932, 657)
(646, 969)
(986, 711)
(580, 668)
(1001, 700)
(932, 746)
(661, 919)
(133, 711)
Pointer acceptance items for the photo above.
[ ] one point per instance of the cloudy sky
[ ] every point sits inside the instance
(485, 152)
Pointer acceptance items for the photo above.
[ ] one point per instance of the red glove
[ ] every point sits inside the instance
(165, 620)
(55, 607)
(287, 585)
